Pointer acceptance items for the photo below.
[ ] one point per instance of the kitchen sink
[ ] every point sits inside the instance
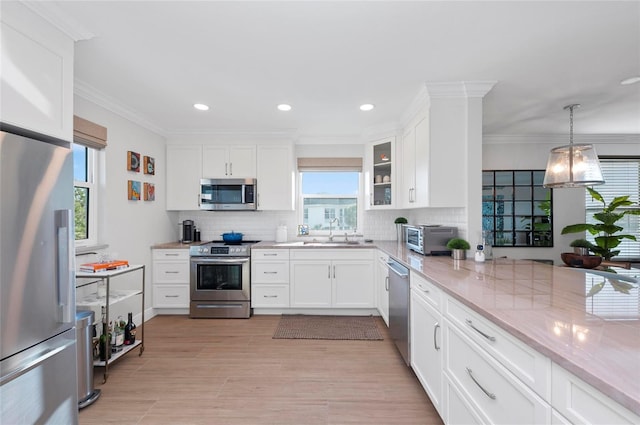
(330, 243)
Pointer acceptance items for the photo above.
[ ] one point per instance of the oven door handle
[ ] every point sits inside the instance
(219, 260)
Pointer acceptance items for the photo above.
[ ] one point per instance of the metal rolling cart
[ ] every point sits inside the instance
(95, 300)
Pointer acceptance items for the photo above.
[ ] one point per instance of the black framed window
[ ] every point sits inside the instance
(517, 208)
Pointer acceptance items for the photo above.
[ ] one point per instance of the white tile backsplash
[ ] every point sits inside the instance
(261, 225)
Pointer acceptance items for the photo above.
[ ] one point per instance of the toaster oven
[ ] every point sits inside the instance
(429, 239)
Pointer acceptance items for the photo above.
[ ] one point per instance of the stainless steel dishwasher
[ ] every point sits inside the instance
(399, 307)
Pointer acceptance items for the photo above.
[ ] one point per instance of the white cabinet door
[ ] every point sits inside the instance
(215, 162)
(310, 284)
(421, 167)
(407, 190)
(36, 73)
(382, 285)
(353, 284)
(275, 177)
(223, 161)
(426, 346)
(380, 174)
(170, 278)
(184, 171)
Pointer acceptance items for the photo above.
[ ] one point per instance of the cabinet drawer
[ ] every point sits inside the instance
(579, 402)
(426, 290)
(171, 254)
(269, 295)
(531, 367)
(331, 254)
(270, 272)
(495, 393)
(171, 296)
(269, 254)
(171, 272)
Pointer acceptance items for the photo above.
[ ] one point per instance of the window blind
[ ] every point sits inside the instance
(622, 177)
(89, 134)
(329, 164)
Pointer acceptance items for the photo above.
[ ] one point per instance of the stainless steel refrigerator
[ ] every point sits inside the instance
(38, 373)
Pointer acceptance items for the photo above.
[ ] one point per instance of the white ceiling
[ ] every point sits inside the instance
(156, 58)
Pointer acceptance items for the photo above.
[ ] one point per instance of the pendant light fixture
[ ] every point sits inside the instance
(573, 165)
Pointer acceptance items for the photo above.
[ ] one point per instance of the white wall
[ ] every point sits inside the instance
(520, 153)
(130, 228)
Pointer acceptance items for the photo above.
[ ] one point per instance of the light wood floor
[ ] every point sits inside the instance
(219, 371)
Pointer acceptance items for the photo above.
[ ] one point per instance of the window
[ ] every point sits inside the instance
(85, 195)
(330, 199)
(516, 208)
(622, 177)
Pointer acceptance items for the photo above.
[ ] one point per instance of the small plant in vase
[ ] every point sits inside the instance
(458, 247)
(399, 222)
(581, 246)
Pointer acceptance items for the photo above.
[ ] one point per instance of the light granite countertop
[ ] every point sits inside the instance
(530, 300)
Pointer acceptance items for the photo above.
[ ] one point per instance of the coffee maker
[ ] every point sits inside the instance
(188, 229)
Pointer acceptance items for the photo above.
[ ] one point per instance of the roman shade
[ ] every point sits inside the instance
(329, 164)
(89, 134)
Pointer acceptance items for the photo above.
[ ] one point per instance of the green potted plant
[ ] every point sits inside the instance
(605, 230)
(581, 246)
(399, 221)
(458, 247)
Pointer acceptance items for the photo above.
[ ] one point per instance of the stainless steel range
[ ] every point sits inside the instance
(220, 280)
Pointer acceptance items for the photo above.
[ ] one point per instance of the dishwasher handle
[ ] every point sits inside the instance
(398, 269)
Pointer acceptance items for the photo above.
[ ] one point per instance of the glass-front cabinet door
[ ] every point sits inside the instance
(381, 174)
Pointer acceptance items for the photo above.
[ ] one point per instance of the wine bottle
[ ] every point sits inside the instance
(130, 331)
(119, 334)
(104, 348)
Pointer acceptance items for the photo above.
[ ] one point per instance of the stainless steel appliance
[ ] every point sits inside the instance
(399, 307)
(429, 239)
(220, 280)
(228, 194)
(38, 374)
(188, 230)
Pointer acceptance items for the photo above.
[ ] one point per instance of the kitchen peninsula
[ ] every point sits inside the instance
(549, 309)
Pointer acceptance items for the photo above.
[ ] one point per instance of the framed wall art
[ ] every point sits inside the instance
(133, 190)
(133, 161)
(149, 165)
(149, 192)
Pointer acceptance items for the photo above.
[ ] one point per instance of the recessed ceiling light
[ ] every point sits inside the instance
(201, 106)
(284, 107)
(631, 80)
(366, 107)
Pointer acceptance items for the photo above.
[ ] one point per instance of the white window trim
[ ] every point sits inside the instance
(360, 200)
(92, 185)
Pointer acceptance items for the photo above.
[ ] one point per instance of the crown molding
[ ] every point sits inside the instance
(459, 88)
(559, 139)
(54, 14)
(90, 93)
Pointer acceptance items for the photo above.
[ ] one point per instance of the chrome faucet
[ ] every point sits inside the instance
(333, 220)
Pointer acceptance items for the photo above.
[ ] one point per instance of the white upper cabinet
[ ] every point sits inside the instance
(36, 73)
(380, 174)
(275, 177)
(223, 161)
(184, 171)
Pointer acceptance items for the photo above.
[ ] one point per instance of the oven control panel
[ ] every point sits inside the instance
(204, 251)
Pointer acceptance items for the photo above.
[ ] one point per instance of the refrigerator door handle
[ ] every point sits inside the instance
(65, 279)
(14, 371)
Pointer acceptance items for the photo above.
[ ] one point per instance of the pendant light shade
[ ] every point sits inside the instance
(573, 165)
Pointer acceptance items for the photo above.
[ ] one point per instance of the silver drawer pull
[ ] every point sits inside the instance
(435, 342)
(270, 272)
(489, 337)
(270, 255)
(270, 296)
(171, 255)
(492, 396)
(171, 272)
(171, 296)
(425, 290)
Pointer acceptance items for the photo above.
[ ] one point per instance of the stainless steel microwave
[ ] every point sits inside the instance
(429, 239)
(228, 194)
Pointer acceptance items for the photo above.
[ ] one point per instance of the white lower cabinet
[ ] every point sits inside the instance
(270, 278)
(455, 409)
(170, 278)
(579, 402)
(382, 285)
(332, 278)
(496, 395)
(426, 340)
